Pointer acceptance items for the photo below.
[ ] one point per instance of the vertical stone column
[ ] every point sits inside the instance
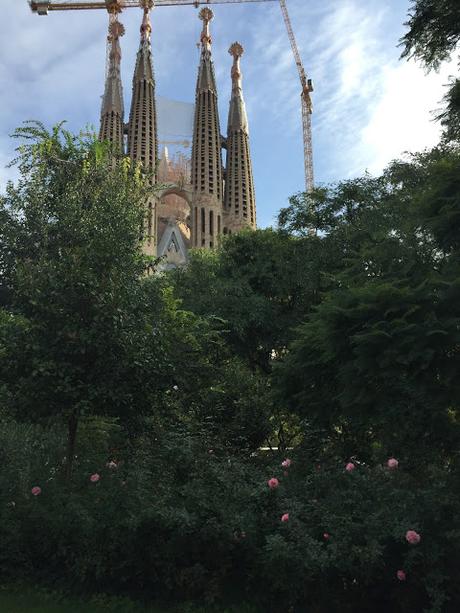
(239, 202)
(112, 110)
(142, 127)
(207, 171)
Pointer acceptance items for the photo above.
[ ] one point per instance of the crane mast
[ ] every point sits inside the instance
(307, 107)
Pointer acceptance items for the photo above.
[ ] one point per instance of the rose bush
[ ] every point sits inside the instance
(176, 521)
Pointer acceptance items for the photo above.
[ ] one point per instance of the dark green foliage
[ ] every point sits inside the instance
(78, 340)
(178, 520)
(438, 200)
(433, 31)
(253, 292)
(378, 357)
(450, 114)
(258, 285)
(204, 381)
(381, 361)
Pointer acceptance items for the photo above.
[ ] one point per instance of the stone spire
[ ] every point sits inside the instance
(207, 175)
(142, 127)
(112, 110)
(239, 203)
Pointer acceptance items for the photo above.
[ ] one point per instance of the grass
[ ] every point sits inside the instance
(37, 600)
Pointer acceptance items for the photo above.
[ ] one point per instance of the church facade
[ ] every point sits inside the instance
(192, 205)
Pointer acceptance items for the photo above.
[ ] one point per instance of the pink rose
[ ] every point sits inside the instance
(401, 575)
(392, 463)
(286, 463)
(350, 467)
(95, 478)
(239, 535)
(413, 537)
(285, 517)
(273, 483)
(36, 490)
(326, 536)
(112, 465)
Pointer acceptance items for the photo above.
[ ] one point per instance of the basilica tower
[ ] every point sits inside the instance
(142, 127)
(112, 110)
(207, 172)
(239, 202)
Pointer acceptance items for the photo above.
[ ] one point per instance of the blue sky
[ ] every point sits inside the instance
(369, 107)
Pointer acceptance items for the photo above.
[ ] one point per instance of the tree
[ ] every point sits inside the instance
(377, 359)
(433, 31)
(257, 286)
(206, 387)
(77, 335)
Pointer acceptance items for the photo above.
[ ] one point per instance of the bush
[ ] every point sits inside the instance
(180, 519)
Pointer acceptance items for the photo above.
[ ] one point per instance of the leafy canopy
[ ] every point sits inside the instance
(76, 330)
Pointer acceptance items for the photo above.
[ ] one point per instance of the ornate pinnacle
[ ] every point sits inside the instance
(116, 30)
(206, 15)
(146, 27)
(236, 50)
(112, 102)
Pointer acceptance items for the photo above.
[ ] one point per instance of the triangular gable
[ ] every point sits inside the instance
(172, 247)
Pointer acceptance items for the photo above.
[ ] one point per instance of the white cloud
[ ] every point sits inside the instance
(370, 107)
(402, 119)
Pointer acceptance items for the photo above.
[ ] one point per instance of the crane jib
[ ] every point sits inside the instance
(41, 7)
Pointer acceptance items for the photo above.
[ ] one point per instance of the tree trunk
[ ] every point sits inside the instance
(72, 426)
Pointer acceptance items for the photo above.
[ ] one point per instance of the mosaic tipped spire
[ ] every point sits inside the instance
(142, 128)
(112, 110)
(237, 119)
(207, 172)
(239, 203)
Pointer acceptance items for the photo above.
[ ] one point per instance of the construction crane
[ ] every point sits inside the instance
(43, 6)
(307, 107)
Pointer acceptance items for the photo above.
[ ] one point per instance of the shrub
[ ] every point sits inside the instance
(180, 518)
